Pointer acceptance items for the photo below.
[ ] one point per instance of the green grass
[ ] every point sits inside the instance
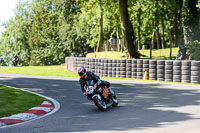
(57, 70)
(107, 55)
(14, 101)
(156, 54)
(159, 53)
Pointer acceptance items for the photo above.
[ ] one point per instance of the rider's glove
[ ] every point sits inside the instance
(99, 82)
(85, 93)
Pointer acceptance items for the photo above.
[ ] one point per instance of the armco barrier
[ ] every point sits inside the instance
(162, 70)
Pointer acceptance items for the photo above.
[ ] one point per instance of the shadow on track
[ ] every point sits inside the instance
(138, 108)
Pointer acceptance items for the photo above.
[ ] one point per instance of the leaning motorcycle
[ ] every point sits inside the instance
(102, 97)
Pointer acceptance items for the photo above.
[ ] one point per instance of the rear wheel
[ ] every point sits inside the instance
(100, 103)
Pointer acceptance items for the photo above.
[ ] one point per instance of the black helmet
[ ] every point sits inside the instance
(82, 72)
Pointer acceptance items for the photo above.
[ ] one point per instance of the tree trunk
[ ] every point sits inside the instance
(118, 41)
(175, 26)
(158, 38)
(157, 27)
(163, 25)
(152, 44)
(171, 42)
(127, 29)
(101, 39)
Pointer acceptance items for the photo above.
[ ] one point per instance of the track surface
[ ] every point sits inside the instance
(145, 107)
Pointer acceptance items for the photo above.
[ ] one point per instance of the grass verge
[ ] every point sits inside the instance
(57, 70)
(156, 54)
(13, 101)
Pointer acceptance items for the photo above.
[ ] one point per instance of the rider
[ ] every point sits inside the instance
(15, 60)
(84, 76)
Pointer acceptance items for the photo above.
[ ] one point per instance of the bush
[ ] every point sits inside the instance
(193, 50)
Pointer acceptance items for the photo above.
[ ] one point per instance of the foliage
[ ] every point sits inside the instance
(44, 32)
(15, 38)
(193, 50)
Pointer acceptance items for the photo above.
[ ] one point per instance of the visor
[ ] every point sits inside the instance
(82, 76)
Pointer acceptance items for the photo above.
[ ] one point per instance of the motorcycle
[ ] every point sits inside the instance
(102, 97)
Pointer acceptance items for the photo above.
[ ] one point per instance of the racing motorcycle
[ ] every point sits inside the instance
(102, 97)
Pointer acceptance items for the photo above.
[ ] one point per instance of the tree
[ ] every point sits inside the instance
(127, 29)
(191, 20)
(14, 39)
(101, 37)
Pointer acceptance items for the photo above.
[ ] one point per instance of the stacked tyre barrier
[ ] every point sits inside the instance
(177, 71)
(195, 72)
(152, 70)
(87, 64)
(185, 71)
(105, 68)
(128, 68)
(146, 67)
(97, 66)
(75, 64)
(139, 69)
(101, 67)
(109, 68)
(118, 69)
(92, 65)
(122, 68)
(134, 69)
(69, 61)
(161, 70)
(114, 66)
(168, 70)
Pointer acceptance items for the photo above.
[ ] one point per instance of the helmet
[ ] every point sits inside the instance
(82, 72)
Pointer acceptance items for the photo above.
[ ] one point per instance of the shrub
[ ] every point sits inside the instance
(193, 50)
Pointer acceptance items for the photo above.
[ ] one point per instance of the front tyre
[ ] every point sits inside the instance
(100, 103)
(115, 101)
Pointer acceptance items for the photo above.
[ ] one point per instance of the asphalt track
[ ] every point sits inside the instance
(145, 107)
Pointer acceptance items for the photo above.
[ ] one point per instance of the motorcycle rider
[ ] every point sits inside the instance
(15, 60)
(84, 76)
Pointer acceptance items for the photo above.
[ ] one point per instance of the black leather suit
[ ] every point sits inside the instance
(95, 78)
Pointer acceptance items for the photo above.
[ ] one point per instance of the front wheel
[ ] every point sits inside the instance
(100, 103)
(114, 98)
(115, 101)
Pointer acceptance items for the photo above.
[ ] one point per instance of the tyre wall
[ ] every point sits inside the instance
(146, 68)
(169, 70)
(139, 69)
(177, 71)
(134, 69)
(195, 72)
(185, 71)
(153, 70)
(161, 70)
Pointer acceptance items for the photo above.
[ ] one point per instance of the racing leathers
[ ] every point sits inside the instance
(91, 76)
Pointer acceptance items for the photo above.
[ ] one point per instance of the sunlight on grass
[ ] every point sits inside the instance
(13, 101)
(156, 54)
(159, 53)
(107, 55)
(57, 70)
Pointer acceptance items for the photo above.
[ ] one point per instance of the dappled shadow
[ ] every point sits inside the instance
(141, 106)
